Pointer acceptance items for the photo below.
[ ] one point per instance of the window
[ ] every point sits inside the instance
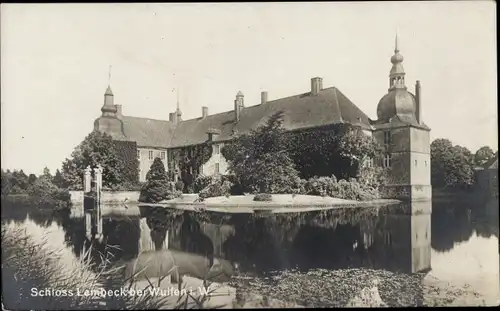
(387, 138)
(162, 155)
(369, 162)
(216, 149)
(415, 162)
(216, 168)
(425, 163)
(138, 154)
(150, 154)
(387, 160)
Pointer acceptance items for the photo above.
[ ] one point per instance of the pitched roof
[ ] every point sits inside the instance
(148, 132)
(330, 106)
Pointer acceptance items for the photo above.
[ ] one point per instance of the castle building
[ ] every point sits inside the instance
(398, 127)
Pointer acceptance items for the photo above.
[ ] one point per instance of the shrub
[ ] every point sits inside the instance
(218, 187)
(349, 190)
(322, 186)
(201, 182)
(157, 187)
(373, 176)
(263, 197)
(179, 185)
(45, 194)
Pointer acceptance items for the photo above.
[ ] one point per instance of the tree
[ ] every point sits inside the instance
(451, 166)
(48, 194)
(96, 149)
(355, 146)
(260, 159)
(46, 174)
(58, 180)
(483, 155)
(158, 186)
(19, 182)
(31, 179)
(6, 182)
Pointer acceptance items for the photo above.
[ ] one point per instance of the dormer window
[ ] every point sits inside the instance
(216, 149)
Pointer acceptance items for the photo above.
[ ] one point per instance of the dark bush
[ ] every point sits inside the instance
(201, 182)
(46, 195)
(179, 185)
(263, 197)
(349, 190)
(158, 187)
(216, 188)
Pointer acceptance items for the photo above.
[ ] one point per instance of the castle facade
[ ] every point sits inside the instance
(398, 127)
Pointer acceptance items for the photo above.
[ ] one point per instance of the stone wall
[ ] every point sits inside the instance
(407, 192)
(108, 197)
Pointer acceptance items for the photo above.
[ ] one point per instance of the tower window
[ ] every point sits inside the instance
(138, 154)
(387, 160)
(150, 154)
(216, 149)
(425, 163)
(387, 138)
(415, 162)
(162, 155)
(369, 162)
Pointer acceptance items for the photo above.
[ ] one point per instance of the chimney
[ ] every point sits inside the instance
(204, 112)
(172, 117)
(119, 111)
(263, 97)
(236, 110)
(418, 98)
(238, 104)
(316, 85)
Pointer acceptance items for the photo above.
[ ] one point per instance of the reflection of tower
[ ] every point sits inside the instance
(408, 238)
(421, 237)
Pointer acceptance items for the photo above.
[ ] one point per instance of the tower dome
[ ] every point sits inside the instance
(398, 102)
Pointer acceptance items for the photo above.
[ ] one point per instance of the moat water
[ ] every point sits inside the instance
(452, 242)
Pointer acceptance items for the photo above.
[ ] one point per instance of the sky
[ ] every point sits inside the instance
(55, 62)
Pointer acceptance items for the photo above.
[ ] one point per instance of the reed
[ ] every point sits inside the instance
(30, 266)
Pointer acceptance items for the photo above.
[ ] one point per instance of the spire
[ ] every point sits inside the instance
(109, 109)
(178, 110)
(397, 73)
(396, 49)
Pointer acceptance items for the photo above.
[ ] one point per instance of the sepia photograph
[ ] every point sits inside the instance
(249, 155)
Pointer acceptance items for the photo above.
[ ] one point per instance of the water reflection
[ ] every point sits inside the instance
(394, 238)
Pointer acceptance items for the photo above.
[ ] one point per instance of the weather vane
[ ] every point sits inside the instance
(109, 75)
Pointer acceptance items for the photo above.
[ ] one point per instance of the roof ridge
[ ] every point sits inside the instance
(146, 119)
(268, 102)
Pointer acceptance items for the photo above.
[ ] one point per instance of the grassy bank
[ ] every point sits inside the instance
(31, 265)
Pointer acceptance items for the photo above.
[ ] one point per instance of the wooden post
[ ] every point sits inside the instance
(86, 185)
(87, 216)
